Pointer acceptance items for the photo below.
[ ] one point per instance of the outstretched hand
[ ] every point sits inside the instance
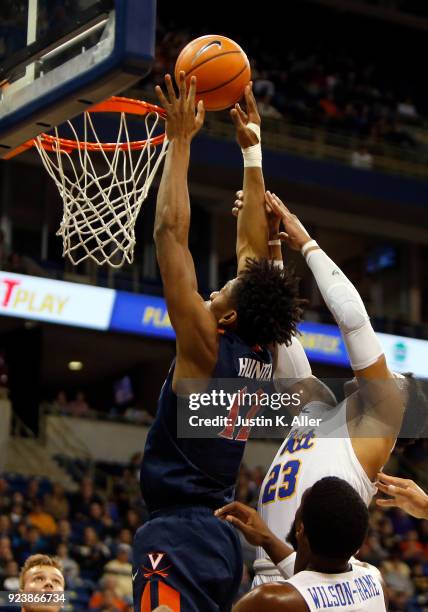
(273, 219)
(404, 494)
(245, 135)
(247, 520)
(295, 235)
(184, 118)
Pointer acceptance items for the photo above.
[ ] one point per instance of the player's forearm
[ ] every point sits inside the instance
(275, 548)
(252, 236)
(172, 218)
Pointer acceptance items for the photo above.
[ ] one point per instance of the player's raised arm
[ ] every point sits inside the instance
(252, 234)
(341, 297)
(291, 364)
(383, 402)
(194, 324)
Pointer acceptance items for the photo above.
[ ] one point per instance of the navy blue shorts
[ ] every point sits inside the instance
(188, 560)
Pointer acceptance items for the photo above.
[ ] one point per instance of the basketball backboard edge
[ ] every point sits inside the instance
(122, 58)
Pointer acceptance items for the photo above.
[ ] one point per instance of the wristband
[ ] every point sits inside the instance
(252, 156)
(274, 242)
(278, 263)
(254, 128)
(308, 245)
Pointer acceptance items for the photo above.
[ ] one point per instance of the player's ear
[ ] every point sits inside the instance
(229, 318)
(300, 531)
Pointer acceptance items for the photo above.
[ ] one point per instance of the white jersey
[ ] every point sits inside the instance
(308, 454)
(359, 590)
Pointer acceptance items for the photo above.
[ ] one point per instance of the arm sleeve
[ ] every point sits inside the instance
(347, 308)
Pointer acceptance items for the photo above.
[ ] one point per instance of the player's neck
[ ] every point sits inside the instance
(328, 566)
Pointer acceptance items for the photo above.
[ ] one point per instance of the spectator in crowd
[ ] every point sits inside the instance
(70, 568)
(6, 554)
(17, 512)
(121, 569)
(56, 502)
(5, 525)
(79, 407)
(396, 574)
(107, 597)
(5, 499)
(41, 519)
(91, 554)
(63, 535)
(125, 537)
(60, 403)
(11, 577)
(82, 500)
(32, 494)
(132, 520)
(30, 543)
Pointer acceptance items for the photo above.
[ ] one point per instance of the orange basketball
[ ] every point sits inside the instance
(221, 67)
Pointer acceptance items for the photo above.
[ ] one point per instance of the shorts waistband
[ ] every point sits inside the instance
(182, 511)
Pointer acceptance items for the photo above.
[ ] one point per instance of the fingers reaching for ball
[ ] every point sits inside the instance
(183, 120)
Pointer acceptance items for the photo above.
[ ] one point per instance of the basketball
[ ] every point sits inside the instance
(221, 67)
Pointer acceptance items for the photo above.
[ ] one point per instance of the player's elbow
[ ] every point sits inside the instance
(163, 230)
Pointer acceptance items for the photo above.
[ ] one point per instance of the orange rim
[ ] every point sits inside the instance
(112, 105)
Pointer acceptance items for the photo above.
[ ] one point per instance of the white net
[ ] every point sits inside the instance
(102, 190)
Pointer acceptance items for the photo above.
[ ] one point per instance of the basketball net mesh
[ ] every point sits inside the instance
(102, 190)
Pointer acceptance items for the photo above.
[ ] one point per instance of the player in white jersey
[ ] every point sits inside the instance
(357, 436)
(330, 526)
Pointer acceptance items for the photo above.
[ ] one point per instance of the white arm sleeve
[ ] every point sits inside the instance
(346, 306)
(291, 361)
(286, 566)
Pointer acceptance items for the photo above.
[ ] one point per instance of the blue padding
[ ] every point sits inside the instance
(208, 150)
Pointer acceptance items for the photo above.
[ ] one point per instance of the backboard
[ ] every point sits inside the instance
(59, 57)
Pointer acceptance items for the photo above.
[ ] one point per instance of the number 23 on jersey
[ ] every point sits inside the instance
(281, 483)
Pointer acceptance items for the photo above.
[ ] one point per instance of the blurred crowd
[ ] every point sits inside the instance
(91, 530)
(77, 405)
(323, 87)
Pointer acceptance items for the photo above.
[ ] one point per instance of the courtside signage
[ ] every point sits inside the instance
(141, 314)
(405, 354)
(53, 301)
(147, 315)
(42, 299)
(323, 343)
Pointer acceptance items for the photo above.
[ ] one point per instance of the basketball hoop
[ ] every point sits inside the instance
(103, 185)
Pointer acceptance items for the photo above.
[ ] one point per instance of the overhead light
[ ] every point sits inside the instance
(75, 365)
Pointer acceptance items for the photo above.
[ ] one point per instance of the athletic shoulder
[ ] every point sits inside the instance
(275, 597)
